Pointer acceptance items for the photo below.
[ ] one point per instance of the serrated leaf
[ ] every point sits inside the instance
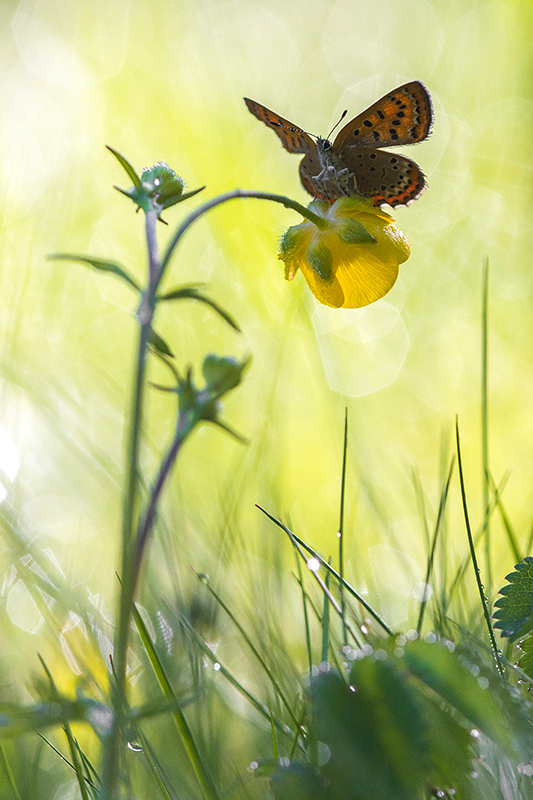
(123, 161)
(514, 616)
(100, 264)
(192, 293)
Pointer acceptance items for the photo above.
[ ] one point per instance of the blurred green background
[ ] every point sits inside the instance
(165, 81)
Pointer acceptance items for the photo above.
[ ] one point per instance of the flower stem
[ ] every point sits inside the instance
(134, 547)
(127, 588)
(320, 222)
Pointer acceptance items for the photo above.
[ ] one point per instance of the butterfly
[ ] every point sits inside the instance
(353, 164)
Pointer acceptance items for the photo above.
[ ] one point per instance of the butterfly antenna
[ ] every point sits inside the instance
(338, 123)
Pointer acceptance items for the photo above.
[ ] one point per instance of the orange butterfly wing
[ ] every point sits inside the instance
(403, 116)
(293, 138)
(385, 177)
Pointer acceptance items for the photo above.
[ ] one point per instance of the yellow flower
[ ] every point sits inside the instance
(353, 259)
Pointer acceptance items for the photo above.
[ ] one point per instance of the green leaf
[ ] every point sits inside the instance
(294, 780)
(192, 293)
(100, 264)
(476, 693)
(386, 735)
(135, 179)
(159, 344)
(515, 609)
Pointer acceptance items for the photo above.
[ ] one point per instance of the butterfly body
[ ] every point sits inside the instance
(354, 162)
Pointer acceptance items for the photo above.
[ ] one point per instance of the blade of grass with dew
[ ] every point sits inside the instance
(341, 529)
(459, 575)
(325, 590)
(508, 528)
(68, 733)
(154, 766)
(485, 418)
(477, 573)
(226, 672)
(325, 623)
(306, 615)
(431, 555)
(252, 647)
(296, 738)
(200, 768)
(330, 569)
(273, 735)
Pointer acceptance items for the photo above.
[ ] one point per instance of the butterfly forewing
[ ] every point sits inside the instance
(293, 138)
(403, 116)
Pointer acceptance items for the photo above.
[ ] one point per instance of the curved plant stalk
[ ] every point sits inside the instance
(137, 525)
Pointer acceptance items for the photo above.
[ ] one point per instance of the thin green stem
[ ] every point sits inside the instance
(331, 570)
(133, 551)
(431, 557)
(306, 616)
(114, 744)
(473, 556)
(341, 528)
(347, 627)
(485, 418)
(319, 221)
(183, 428)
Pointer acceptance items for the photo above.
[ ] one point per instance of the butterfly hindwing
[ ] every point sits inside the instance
(384, 176)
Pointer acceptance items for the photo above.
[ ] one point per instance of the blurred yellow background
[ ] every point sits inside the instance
(165, 81)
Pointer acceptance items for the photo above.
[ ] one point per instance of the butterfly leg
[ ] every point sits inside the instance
(340, 177)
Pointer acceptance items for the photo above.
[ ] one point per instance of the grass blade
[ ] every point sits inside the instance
(473, 556)
(200, 768)
(360, 599)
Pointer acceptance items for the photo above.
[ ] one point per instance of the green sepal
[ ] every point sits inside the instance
(130, 170)
(100, 264)
(222, 374)
(288, 241)
(157, 188)
(320, 258)
(352, 232)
